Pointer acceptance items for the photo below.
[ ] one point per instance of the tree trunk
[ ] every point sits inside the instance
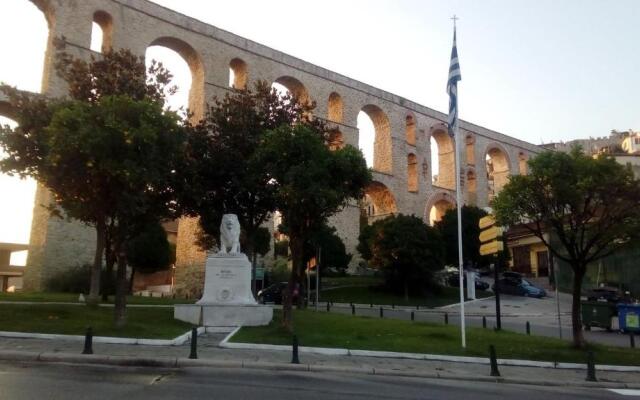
(297, 245)
(576, 318)
(110, 258)
(133, 275)
(94, 290)
(121, 291)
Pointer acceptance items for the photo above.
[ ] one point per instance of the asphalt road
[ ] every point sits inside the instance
(65, 382)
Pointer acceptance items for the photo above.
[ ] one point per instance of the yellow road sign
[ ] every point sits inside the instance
(486, 222)
(491, 247)
(490, 234)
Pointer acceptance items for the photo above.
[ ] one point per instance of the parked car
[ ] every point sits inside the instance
(514, 283)
(275, 293)
(605, 293)
(454, 280)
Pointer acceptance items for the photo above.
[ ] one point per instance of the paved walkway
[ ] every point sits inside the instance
(211, 355)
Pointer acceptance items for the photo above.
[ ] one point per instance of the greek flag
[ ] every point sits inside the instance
(452, 88)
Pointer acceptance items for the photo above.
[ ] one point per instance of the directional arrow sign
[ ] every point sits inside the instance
(490, 234)
(491, 248)
(486, 222)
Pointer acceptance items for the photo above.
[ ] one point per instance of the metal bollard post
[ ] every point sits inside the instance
(413, 316)
(591, 367)
(393, 305)
(371, 305)
(194, 344)
(632, 340)
(381, 313)
(494, 361)
(328, 307)
(294, 357)
(353, 309)
(528, 328)
(88, 342)
(484, 322)
(446, 318)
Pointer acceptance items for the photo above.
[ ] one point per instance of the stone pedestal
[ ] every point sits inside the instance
(227, 299)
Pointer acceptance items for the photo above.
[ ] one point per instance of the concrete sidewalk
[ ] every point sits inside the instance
(211, 355)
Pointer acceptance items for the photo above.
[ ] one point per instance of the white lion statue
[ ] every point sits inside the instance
(229, 234)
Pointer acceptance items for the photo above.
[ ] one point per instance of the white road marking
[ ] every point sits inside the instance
(627, 392)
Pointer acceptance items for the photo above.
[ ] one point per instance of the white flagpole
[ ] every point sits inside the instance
(460, 259)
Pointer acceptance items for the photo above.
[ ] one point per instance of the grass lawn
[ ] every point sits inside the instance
(147, 323)
(353, 280)
(51, 297)
(367, 295)
(320, 329)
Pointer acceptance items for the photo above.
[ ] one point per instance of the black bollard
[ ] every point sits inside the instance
(393, 305)
(328, 307)
(353, 309)
(632, 340)
(528, 328)
(294, 357)
(446, 318)
(381, 313)
(484, 322)
(494, 361)
(591, 367)
(418, 307)
(413, 316)
(88, 342)
(194, 344)
(371, 305)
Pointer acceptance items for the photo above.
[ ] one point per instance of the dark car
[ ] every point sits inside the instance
(275, 293)
(513, 283)
(605, 293)
(454, 280)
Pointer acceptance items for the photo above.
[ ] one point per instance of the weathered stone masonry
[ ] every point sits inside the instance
(402, 154)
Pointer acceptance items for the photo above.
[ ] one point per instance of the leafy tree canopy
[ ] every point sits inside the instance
(448, 227)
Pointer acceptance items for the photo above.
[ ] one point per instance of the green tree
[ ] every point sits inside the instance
(589, 205)
(406, 250)
(310, 183)
(116, 73)
(222, 176)
(334, 253)
(448, 227)
(150, 251)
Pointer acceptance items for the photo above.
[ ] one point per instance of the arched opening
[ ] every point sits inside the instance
(238, 74)
(336, 139)
(378, 202)
(410, 129)
(469, 141)
(335, 108)
(472, 197)
(438, 205)
(16, 209)
(375, 138)
(101, 32)
(187, 69)
(23, 64)
(412, 173)
(522, 163)
(288, 84)
(442, 159)
(497, 170)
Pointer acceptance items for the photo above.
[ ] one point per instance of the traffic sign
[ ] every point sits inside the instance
(490, 234)
(486, 222)
(491, 247)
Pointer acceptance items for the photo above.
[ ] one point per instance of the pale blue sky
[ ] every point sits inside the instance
(537, 70)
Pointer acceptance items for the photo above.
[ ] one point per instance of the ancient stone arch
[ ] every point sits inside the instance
(382, 147)
(211, 53)
(378, 202)
(470, 149)
(437, 206)
(498, 168)
(104, 20)
(446, 159)
(470, 184)
(238, 73)
(523, 167)
(412, 172)
(196, 66)
(335, 108)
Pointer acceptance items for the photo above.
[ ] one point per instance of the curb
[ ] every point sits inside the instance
(225, 343)
(170, 362)
(177, 341)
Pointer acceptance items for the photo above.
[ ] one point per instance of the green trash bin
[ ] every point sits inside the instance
(597, 313)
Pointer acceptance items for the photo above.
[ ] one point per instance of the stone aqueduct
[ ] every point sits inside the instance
(403, 129)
